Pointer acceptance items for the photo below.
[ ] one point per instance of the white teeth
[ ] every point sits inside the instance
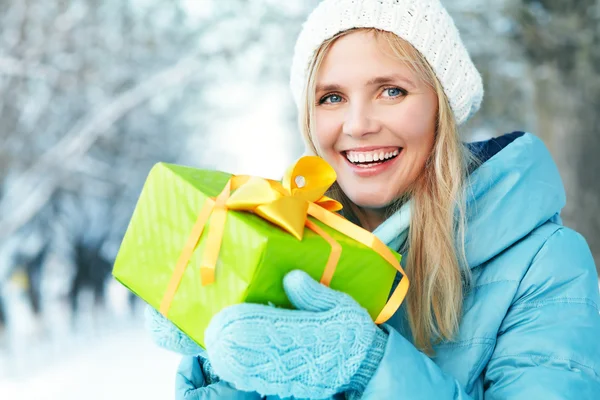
(370, 156)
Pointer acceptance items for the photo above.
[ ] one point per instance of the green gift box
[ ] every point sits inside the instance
(253, 256)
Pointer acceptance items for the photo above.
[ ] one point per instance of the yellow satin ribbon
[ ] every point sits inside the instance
(286, 204)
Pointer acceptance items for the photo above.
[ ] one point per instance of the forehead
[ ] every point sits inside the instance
(363, 54)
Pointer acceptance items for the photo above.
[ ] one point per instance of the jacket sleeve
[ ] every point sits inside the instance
(549, 342)
(406, 373)
(548, 345)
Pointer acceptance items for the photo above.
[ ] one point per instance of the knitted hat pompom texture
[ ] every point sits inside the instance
(425, 24)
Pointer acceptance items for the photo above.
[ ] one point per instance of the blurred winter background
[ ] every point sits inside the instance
(95, 92)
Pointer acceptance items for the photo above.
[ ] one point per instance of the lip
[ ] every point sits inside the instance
(365, 172)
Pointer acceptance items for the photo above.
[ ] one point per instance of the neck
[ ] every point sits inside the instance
(369, 218)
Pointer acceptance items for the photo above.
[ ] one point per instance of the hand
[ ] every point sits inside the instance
(191, 383)
(166, 335)
(327, 346)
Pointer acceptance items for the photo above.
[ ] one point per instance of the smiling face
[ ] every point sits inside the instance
(375, 119)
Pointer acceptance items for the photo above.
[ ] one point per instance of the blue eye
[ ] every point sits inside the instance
(395, 92)
(331, 98)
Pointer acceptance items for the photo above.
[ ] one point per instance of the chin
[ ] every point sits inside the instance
(371, 200)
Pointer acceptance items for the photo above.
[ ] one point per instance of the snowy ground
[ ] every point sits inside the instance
(123, 365)
(99, 357)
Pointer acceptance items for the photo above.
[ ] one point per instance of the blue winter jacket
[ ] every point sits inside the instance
(531, 321)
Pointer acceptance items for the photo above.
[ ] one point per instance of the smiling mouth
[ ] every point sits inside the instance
(368, 159)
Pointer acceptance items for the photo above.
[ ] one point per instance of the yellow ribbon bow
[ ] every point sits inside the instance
(286, 204)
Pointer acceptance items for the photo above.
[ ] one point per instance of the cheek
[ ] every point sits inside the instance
(326, 132)
(418, 125)
(422, 142)
(420, 146)
(417, 132)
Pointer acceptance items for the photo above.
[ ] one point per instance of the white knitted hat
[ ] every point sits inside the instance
(423, 23)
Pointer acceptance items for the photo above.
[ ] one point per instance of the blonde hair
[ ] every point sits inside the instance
(436, 260)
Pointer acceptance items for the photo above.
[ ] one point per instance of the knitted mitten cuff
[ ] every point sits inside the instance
(209, 375)
(372, 360)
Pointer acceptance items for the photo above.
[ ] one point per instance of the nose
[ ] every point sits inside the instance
(359, 121)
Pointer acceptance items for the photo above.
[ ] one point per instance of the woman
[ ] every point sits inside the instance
(503, 300)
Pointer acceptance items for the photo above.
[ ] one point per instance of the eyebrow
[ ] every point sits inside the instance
(389, 79)
(379, 80)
